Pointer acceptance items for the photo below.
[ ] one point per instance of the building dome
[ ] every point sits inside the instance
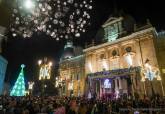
(128, 23)
(68, 53)
(100, 34)
(71, 51)
(68, 50)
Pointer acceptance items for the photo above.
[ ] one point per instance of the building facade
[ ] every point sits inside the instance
(160, 50)
(2, 36)
(3, 61)
(3, 66)
(72, 71)
(127, 63)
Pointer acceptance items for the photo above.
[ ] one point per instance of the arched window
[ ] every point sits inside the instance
(114, 53)
(129, 54)
(128, 49)
(102, 56)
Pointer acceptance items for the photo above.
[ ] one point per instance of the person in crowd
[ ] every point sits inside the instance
(79, 105)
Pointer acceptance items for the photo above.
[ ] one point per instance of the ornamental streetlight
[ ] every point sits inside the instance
(30, 87)
(45, 67)
(144, 87)
(160, 79)
(150, 74)
(59, 84)
(70, 87)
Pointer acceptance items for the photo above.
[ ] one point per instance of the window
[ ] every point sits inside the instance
(115, 63)
(114, 53)
(107, 83)
(128, 49)
(102, 56)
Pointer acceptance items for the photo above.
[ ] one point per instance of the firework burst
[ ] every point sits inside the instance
(57, 18)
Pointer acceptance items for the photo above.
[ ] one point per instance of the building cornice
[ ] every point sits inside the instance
(108, 22)
(72, 59)
(131, 36)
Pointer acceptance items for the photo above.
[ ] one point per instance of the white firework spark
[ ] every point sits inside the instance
(57, 18)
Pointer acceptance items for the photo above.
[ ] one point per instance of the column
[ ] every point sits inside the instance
(2, 32)
(133, 91)
(125, 86)
(120, 83)
(0, 43)
(116, 86)
(94, 64)
(100, 91)
(96, 88)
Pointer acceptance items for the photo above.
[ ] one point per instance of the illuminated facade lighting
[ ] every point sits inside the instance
(70, 86)
(105, 66)
(128, 58)
(117, 94)
(150, 73)
(159, 78)
(107, 83)
(90, 67)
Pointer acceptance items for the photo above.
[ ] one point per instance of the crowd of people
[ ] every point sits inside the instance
(79, 105)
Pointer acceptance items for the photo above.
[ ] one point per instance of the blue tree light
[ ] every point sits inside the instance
(19, 86)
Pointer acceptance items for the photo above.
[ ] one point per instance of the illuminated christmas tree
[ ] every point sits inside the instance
(19, 86)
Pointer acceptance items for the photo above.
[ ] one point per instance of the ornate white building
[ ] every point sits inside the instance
(126, 63)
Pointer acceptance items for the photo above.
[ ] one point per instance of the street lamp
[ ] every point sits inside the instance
(30, 87)
(160, 79)
(45, 71)
(56, 82)
(39, 62)
(70, 87)
(150, 73)
(144, 87)
(79, 88)
(59, 84)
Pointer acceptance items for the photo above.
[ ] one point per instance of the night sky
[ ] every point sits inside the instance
(28, 51)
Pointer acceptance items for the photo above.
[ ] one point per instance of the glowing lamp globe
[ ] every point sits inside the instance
(39, 62)
(50, 63)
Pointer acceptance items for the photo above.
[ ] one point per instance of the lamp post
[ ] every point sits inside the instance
(59, 84)
(153, 92)
(160, 79)
(44, 72)
(79, 88)
(149, 74)
(70, 88)
(144, 87)
(30, 87)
